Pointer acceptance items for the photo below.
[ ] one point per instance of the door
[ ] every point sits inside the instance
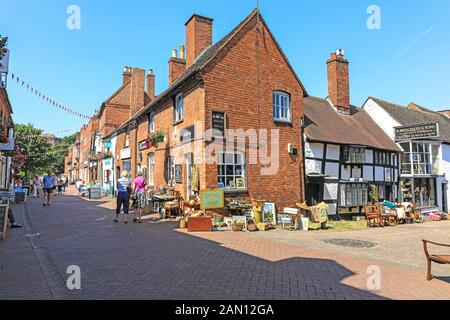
(444, 197)
(314, 193)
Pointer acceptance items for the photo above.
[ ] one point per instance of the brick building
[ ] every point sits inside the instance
(7, 142)
(243, 82)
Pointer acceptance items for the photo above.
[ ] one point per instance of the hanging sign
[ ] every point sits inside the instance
(422, 131)
(125, 153)
(143, 145)
(4, 62)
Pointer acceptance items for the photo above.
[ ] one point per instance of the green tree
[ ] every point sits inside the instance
(60, 152)
(36, 148)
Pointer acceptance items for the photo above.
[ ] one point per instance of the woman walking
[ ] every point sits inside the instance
(123, 196)
(140, 191)
(36, 186)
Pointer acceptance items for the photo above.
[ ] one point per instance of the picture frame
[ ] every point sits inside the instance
(240, 183)
(269, 213)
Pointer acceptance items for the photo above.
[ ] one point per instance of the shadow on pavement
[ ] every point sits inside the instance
(154, 261)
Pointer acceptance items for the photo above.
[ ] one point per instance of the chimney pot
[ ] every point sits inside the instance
(182, 56)
(174, 53)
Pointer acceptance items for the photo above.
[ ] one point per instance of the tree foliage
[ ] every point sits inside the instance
(42, 153)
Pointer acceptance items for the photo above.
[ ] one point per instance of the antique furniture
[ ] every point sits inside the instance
(294, 217)
(176, 205)
(439, 259)
(373, 216)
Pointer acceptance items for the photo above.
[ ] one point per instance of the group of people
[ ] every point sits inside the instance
(136, 191)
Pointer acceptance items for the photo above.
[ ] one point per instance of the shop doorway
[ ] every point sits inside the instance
(314, 193)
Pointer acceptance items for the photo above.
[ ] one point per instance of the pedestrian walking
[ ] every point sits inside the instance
(59, 185)
(123, 196)
(140, 197)
(49, 183)
(37, 183)
(26, 184)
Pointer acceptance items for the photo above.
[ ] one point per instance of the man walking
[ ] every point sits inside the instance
(49, 184)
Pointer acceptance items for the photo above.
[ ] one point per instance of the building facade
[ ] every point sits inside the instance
(243, 83)
(349, 161)
(424, 138)
(7, 142)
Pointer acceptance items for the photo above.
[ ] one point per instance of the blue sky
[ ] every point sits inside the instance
(406, 60)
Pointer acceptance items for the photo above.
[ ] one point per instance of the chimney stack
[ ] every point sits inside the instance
(198, 37)
(177, 66)
(151, 84)
(338, 82)
(137, 94)
(126, 75)
(182, 51)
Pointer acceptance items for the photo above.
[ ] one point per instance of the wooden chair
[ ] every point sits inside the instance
(176, 205)
(373, 216)
(439, 259)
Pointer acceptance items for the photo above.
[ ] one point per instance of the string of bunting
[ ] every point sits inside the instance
(43, 154)
(43, 135)
(45, 98)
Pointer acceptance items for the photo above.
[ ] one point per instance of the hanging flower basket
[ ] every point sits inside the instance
(155, 138)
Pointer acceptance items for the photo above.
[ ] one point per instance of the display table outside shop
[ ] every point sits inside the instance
(161, 200)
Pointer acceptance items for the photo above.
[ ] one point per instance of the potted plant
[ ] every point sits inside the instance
(155, 138)
(237, 225)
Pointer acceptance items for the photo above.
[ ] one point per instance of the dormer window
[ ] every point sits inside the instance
(179, 108)
(281, 106)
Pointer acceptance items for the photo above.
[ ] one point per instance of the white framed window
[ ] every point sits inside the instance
(179, 108)
(281, 106)
(170, 171)
(151, 122)
(151, 169)
(231, 172)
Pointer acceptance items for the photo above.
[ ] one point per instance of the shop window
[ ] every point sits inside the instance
(424, 192)
(281, 106)
(179, 108)
(354, 195)
(420, 158)
(151, 122)
(231, 171)
(406, 190)
(406, 158)
(436, 158)
(218, 124)
(354, 155)
(151, 169)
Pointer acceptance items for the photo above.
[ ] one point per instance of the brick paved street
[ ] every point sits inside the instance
(156, 261)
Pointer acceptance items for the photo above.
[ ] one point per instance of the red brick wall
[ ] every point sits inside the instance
(231, 86)
(338, 82)
(176, 68)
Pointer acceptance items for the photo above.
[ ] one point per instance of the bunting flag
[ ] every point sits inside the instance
(47, 99)
(46, 135)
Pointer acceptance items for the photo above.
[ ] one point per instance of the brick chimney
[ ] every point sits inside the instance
(198, 37)
(338, 82)
(177, 65)
(151, 84)
(137, 94)
(126, 75)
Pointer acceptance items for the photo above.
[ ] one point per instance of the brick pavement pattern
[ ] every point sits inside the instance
(156, 261)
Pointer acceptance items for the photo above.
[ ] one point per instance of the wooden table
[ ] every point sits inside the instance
(162, 199)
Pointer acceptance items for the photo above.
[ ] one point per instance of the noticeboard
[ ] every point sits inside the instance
(4, 210)
(422, 131)
(95, 193)
(212, 199)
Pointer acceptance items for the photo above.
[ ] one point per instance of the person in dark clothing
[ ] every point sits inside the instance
(123, 196)
(12, 219)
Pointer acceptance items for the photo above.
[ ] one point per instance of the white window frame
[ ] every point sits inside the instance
(151, 122)
(171, 171)
(179, 106)
(222, 175)
(151, 169)
(281, 111)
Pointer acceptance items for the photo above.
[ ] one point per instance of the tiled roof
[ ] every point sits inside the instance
(201, 61)
(407, 116)
(323, 123)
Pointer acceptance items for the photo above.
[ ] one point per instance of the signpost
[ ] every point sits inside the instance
(421, 131)
(212, 199)
(4, 209)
